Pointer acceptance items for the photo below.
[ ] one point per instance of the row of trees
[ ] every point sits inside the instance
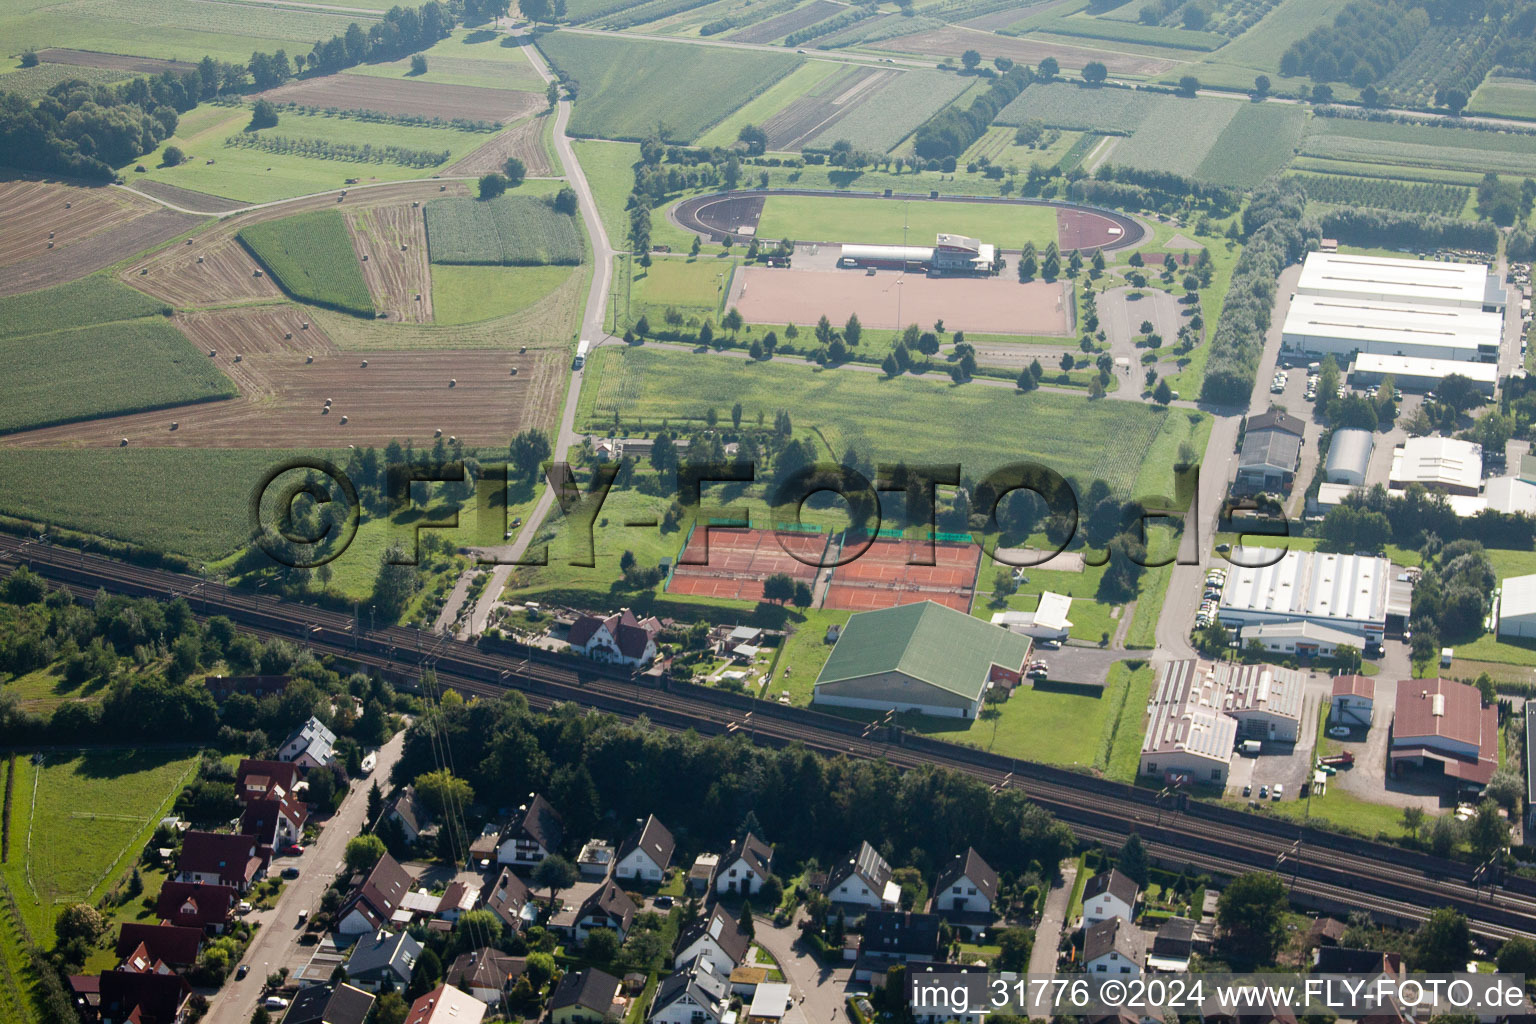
(1366, 40)
(329, 149)
(1409, 231)
(951, 131)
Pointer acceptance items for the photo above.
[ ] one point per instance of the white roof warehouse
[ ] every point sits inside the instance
(1386, 279)
(1347, 593)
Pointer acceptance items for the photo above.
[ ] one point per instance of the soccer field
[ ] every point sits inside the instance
(879, 221)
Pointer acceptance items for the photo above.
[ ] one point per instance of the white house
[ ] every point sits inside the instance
(1114, 946)
(534, 833)
(445, 1005)
(1110, 894)
(968, 885)
(1517, 606)
(696, 994)
(311, 745)
(863, 879)
(411, 813)
(745, 866)
(609, 907)
(1353, 699)
(621, 638)
(647, 853)
(717, 938)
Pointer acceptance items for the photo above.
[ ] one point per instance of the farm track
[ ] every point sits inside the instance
(1332, 872)
(112, 61)
(391, 247)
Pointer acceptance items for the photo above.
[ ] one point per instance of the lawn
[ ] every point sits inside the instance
(188, 501)
(1260, 48)
(1091, 619)
(1340, 807)
(310, 256)
(513, 231)
(104, 370)
(1505, 97)
(79, 821)
(464, 294)
(904, 418)
(998, 146)
(1259, 141)
(610, 171)
(467, 57)
(44, 689)
(632, 87)
(804, 654)
(692, 287)
(97, 299)
(879, 221)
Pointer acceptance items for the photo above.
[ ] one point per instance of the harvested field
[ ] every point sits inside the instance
(792, 126)
(524, 140)
(882, 576)
(982, 305)
(412, 99)
(784, 24)
(952, 42)
(732, 564)
(35, 209)
(391, 247)
(398, 395)
(227, 273)
(112, 61)
(186, 198)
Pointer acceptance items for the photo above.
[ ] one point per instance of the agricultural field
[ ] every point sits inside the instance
(951, 41)
(781, 25)
(407, 97)
(82, 820)
(825, 105)
(1500, 97)
(1378, 193)
(524, 140)
(391, 245)
(38, 213)
(805, 80)
(311, 257)
(891, 111)
(1117, 31)
(202, 274)
(629, 88)
(91, 300)
(1082, 108)
(1176, 135)
(1259, 49)
(877, 221)
(509, 231)
(1257, 142)
(998, 147)
(482, 72)
(638, 388)
(610, 171)
(1390, 145)
(469, 294)
(104, 370)
(34, 82)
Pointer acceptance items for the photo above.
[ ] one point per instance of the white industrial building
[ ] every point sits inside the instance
(1414, 373)
(1349, 457)
(1438, 463)
(948, 254)
(1517, 606)
(1188, 736)
(1302, 639)
(1264, 699)
(1347, 593)
(1323, 324)
(1388, 279)
(1047, 622)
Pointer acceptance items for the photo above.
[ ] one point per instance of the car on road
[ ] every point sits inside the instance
(293, 850)
(242, 971)
(290, 872)
(1338, 731)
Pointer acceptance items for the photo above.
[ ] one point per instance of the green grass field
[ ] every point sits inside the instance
(508, 231)
(806, 79)
(1176, 135)
(875, 221)
(104, 370)
(1505, 97)
(1260, 48)
(1082, 108)
(998, 146)
(882, 417)
(79, 820)
(466, 295)
(692, 287)
(467, 57)
(610, 171)
(630, 88)
(310, 255)
(35, 81)
(1257, 142)
(1370, 143)
(97, 299)
(888, 116)
(1114, 30)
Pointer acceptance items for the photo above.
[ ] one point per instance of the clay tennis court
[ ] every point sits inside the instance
(881, 577)
(986, 305)
(735, 563)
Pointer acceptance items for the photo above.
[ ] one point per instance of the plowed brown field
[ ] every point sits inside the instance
(226, 274)
(30, 210)
(391, 247)
(524, 140)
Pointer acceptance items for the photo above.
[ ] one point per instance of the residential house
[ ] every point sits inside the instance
(621, 638)
(968, 885)
(585, 997)
(174, 945)
(329, 1004)
(701, 876)
(745, 866)
(457, 900)
(1326, 931)
(506, 898)
(696, 994)
(864, 880)
(608, 907)
(535, 832)
(901, 935)
(372, 903)
(411, 813)
(1215, 1012)
(381, 956)
(771, 1003)
(1110, 894)
(1172, 946)
(132, 998)
(194, 905)
(276, 823)
(718, 938)
(139, 960)
(1368, 963)
(218, 858)
(595, 860)
(311, 745)
(444, 1005)
(1354, 698)
(261, 780)
(1114, 946)
(647, 853)
(487, 974)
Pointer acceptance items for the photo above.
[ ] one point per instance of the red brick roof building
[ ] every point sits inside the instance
(1442, 725)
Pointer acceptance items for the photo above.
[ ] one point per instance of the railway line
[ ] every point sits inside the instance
(1327, 870)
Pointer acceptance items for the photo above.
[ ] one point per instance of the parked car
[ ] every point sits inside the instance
(1279, 791)
(290, 872)
(242, 971)
(662, 902)
(1263, 792)
(1248, 789)
(293, 849)
(275, 1003)
(243, 907)
(1338, 731)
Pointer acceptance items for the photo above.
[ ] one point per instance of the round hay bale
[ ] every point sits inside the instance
(365, 364)
(189, 241)
(175, 424)
(325, 410)
(343, 419)
(442, 188)
(522, 349)
(50, 245)
(257, 272)
(212, 352)
(452, 439)
(67, 206)
(304, 326)
(143, 271)
(199, 259)
(365, 257)
(309, 359)
(287, 335)
(122, 442)
(327, 403)
(50, 234)
(418, 296)
(403, 247)
(238, 357)
(437, 433)
(514, 371)
(416, 204)
(453, 382)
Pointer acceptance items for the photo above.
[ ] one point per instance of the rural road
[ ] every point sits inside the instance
(277, 941)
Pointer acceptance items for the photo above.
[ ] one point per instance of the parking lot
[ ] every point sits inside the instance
(1287, 765)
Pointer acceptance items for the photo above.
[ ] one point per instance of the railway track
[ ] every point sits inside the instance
(1328, 870)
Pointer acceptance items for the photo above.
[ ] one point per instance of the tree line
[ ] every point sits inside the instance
(951, 131)
(1391, 229)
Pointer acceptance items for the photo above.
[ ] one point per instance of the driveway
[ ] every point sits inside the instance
(820, 990)
(1042, 956)
(277, 941)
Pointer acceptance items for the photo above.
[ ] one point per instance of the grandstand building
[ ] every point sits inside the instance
(950, 254)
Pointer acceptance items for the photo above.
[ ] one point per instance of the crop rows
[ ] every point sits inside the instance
(1447, 57)
(295, 25)
(1129, 32)
(655, 10)
(836, 23)
(350, 152)
(1176, 135)
(891, 26)
(91, 300)
(510, 231)
(894, 112)
(1409, 154)
(748, 16)
(459, 124)
(311, 257)
(1259, 141)
(1081, 108)
(1377, 193)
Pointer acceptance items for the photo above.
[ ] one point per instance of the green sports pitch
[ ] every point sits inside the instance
(888, 222)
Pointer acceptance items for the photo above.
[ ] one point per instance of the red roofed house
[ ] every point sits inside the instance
(259, 780)
(218, 858)
(193, 905)
(372, 904)
(1442, 725)
(620, 638)
(444, 1005)
(1353, 699)
(174, 945)
(274, 822)
(130, 998)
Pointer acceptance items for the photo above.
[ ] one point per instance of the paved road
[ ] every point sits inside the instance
(277, 942)
(1042, 957)
(819, 989)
